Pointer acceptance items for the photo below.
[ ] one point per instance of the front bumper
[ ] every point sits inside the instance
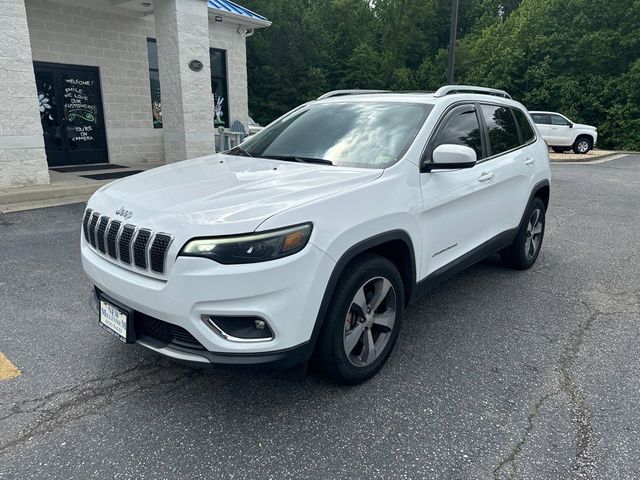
(286, 293)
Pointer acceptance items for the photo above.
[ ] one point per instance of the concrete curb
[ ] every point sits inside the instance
(28, 198)
(64, 189)
(595, 161)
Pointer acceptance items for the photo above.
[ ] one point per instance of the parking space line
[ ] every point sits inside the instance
(7, 369)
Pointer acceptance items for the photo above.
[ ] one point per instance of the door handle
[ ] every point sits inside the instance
(530, 161)
(486, 176)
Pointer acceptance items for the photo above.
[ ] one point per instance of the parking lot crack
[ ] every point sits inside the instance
(508, 463)
(34, 404)
(57, 409)
(584, 465)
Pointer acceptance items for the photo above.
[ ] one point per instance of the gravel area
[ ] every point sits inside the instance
(569, 156)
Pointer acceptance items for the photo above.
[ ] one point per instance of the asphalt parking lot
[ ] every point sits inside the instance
(497, 373)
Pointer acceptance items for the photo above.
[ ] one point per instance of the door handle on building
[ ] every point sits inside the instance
(485, 176)
(530, 161)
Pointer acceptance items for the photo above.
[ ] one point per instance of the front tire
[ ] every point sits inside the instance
(524, 251)
(363, 321)
(582, 145)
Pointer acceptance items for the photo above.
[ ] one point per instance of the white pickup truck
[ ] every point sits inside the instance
(562, 134)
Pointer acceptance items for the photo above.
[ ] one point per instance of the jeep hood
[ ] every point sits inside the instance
(222, 194)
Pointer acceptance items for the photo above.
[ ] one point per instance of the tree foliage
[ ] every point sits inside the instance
(578, 57)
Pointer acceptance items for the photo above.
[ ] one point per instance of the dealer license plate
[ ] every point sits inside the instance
(114, 319)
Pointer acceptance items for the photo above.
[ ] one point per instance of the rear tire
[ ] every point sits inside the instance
(363, 321)
(582, 145)
(524, 250)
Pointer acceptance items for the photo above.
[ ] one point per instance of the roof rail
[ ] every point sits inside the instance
(451, 89)
(341, 93)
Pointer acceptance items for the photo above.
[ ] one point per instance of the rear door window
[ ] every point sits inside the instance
(541, 118)
(501, 129)
(525, 126)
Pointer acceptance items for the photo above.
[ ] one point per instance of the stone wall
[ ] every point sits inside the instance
(22, 155)
(182, 34)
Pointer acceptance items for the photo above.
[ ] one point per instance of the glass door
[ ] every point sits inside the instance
(71, 114)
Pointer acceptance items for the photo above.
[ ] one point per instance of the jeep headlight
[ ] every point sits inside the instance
(252, 247)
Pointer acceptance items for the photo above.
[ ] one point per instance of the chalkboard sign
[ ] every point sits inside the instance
(81, 110)
(71, 113)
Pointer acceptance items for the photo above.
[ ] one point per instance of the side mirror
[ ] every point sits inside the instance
(570, 125)
(449, 156)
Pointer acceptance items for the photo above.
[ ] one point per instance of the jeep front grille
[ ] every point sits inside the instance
(138, 247)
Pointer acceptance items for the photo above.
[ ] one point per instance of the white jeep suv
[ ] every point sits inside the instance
(561, 134)
(311, 237)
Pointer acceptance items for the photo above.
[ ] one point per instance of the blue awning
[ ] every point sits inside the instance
(226, 6)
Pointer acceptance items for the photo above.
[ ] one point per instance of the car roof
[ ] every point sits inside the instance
(417, 97)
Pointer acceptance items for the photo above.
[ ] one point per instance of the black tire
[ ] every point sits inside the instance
(582, 145)
(330, 354)
(519, 255)
(559, 149)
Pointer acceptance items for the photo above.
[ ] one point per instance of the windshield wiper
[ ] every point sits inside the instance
(296, 158)
(238, 150)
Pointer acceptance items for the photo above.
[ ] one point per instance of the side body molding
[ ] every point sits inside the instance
(493, 245)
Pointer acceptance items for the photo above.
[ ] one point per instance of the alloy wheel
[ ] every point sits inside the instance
(534, 234)
(370, 321)
(583, 146)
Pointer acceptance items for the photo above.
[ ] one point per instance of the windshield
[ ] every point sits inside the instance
(372, 135)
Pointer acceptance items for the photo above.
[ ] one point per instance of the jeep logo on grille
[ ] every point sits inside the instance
(123, 212)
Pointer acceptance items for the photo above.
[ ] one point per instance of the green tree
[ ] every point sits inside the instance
(579, 57)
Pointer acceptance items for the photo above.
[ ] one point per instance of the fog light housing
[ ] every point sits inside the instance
(239, 329)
